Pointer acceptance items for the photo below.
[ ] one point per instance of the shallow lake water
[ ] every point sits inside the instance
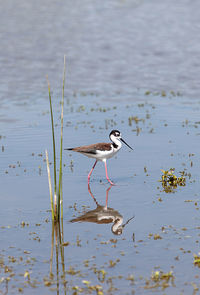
(162, 236)
(128, 68)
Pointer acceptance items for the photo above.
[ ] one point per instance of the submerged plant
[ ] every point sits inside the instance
(57, 200)
(170, 181)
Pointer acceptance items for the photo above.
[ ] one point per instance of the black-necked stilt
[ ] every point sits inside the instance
(102, 151)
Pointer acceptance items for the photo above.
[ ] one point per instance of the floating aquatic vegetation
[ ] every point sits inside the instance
(134, 119)
(170, 181)
(163, 93)
(197, 260)
(159, 279)
(157, 237)
(159, 275)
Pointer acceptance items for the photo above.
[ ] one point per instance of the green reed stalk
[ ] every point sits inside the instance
(60, 193)
(50, 186)
(54, 146)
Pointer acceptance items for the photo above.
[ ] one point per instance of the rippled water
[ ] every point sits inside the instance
(110, 46)
(131, 65)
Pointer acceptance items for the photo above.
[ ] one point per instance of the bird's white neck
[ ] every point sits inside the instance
(116, 142)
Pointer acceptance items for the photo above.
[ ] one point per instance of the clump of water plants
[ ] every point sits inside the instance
(170, 181)
(197, 260)
(159, 279)
(160, 275)
(57, 201)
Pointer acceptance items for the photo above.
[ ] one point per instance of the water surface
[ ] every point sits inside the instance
(132, 66)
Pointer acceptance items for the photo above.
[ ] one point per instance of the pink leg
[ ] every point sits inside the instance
(107, 175)
(91, 171)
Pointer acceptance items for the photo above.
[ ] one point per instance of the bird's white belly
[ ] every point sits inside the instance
(102, 155)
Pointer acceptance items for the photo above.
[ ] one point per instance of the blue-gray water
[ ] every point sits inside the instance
(110, 46)
(124, 59)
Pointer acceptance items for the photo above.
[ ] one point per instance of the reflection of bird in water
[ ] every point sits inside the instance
(102, 151)
(103, 215)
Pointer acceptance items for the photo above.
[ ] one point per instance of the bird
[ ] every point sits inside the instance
(102, 151)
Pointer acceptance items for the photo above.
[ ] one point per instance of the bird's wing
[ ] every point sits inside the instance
(92, 148)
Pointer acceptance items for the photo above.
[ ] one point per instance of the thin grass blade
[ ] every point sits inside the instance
(53, 136)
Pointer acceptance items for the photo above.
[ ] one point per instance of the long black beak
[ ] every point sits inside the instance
(126, 143)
